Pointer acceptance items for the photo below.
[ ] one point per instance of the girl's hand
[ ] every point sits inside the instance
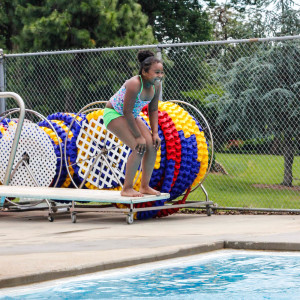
(156, 141)
(141, 145)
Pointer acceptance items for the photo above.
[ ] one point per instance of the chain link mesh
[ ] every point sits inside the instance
(248, 91)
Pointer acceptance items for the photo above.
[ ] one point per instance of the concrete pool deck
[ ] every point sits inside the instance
(33, 250)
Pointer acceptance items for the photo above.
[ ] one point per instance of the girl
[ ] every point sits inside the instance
(121, 118)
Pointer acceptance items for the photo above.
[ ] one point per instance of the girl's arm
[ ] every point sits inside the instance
(133, 87)
(153, 118)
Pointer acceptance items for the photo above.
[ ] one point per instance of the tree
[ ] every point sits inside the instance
(177, 21)
(255, 18)
(283, 20)
(262, 99)
(230, 23)
(57, 25)
(270, 17)
(9, 24)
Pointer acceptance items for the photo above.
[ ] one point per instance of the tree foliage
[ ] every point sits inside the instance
(270, 17)
(237, 19)
(229, 23)
(262, 98)
(73, 24)
(9, 24)
(178, 20)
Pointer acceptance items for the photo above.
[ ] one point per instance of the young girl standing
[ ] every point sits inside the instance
(121, 118)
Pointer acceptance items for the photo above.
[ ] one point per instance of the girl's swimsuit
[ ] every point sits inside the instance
(117, 101)
(109, 115)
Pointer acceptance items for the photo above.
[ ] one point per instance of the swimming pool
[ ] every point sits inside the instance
(226, 274)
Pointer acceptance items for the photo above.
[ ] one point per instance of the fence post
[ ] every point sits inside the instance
(159, 56)
(2, 87)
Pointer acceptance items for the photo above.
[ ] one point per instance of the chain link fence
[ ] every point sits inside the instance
(248, 90)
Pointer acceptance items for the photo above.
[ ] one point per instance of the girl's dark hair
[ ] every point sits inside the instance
(146, 59)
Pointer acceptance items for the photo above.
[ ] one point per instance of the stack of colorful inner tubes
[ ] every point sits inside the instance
(180, 165)
(186, 156)
(61, 123)
(35, 161)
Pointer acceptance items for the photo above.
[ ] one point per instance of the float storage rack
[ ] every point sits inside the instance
(62, 200)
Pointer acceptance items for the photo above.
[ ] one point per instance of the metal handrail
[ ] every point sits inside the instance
(12, 155)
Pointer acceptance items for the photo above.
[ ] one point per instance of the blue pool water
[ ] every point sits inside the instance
(219, 275)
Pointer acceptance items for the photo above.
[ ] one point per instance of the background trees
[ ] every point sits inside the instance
(56, 25)
(51, 25)
(175, 21)
(9, 24)
(262, 99)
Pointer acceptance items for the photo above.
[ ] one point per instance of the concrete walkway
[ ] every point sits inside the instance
(32, 249)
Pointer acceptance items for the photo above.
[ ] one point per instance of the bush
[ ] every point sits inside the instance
(252, 146)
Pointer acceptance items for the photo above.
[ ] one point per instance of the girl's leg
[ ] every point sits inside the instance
(121, 129)
(148, 160)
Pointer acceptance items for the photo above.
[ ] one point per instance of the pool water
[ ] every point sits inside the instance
(219, 275)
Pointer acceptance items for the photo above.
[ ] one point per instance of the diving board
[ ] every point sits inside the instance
(82, 195)
(75, 194)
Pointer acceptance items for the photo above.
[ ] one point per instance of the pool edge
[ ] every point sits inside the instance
(114, 264)
(266, 246)
(180, 252)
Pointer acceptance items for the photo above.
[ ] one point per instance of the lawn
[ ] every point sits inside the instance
(244, 171)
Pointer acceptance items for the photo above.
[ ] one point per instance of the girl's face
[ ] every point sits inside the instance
(155, 73)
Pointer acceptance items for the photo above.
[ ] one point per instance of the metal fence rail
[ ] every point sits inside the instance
(247, 89)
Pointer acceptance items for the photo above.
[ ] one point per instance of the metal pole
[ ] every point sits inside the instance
(14, 146)
(2, 88)
(159, 56)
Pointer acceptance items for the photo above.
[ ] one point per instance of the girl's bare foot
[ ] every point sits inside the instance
(150, 191)
(130, 192)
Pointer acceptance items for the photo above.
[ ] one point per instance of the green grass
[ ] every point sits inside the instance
(237, 190)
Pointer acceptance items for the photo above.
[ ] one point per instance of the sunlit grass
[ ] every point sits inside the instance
(244, 171)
